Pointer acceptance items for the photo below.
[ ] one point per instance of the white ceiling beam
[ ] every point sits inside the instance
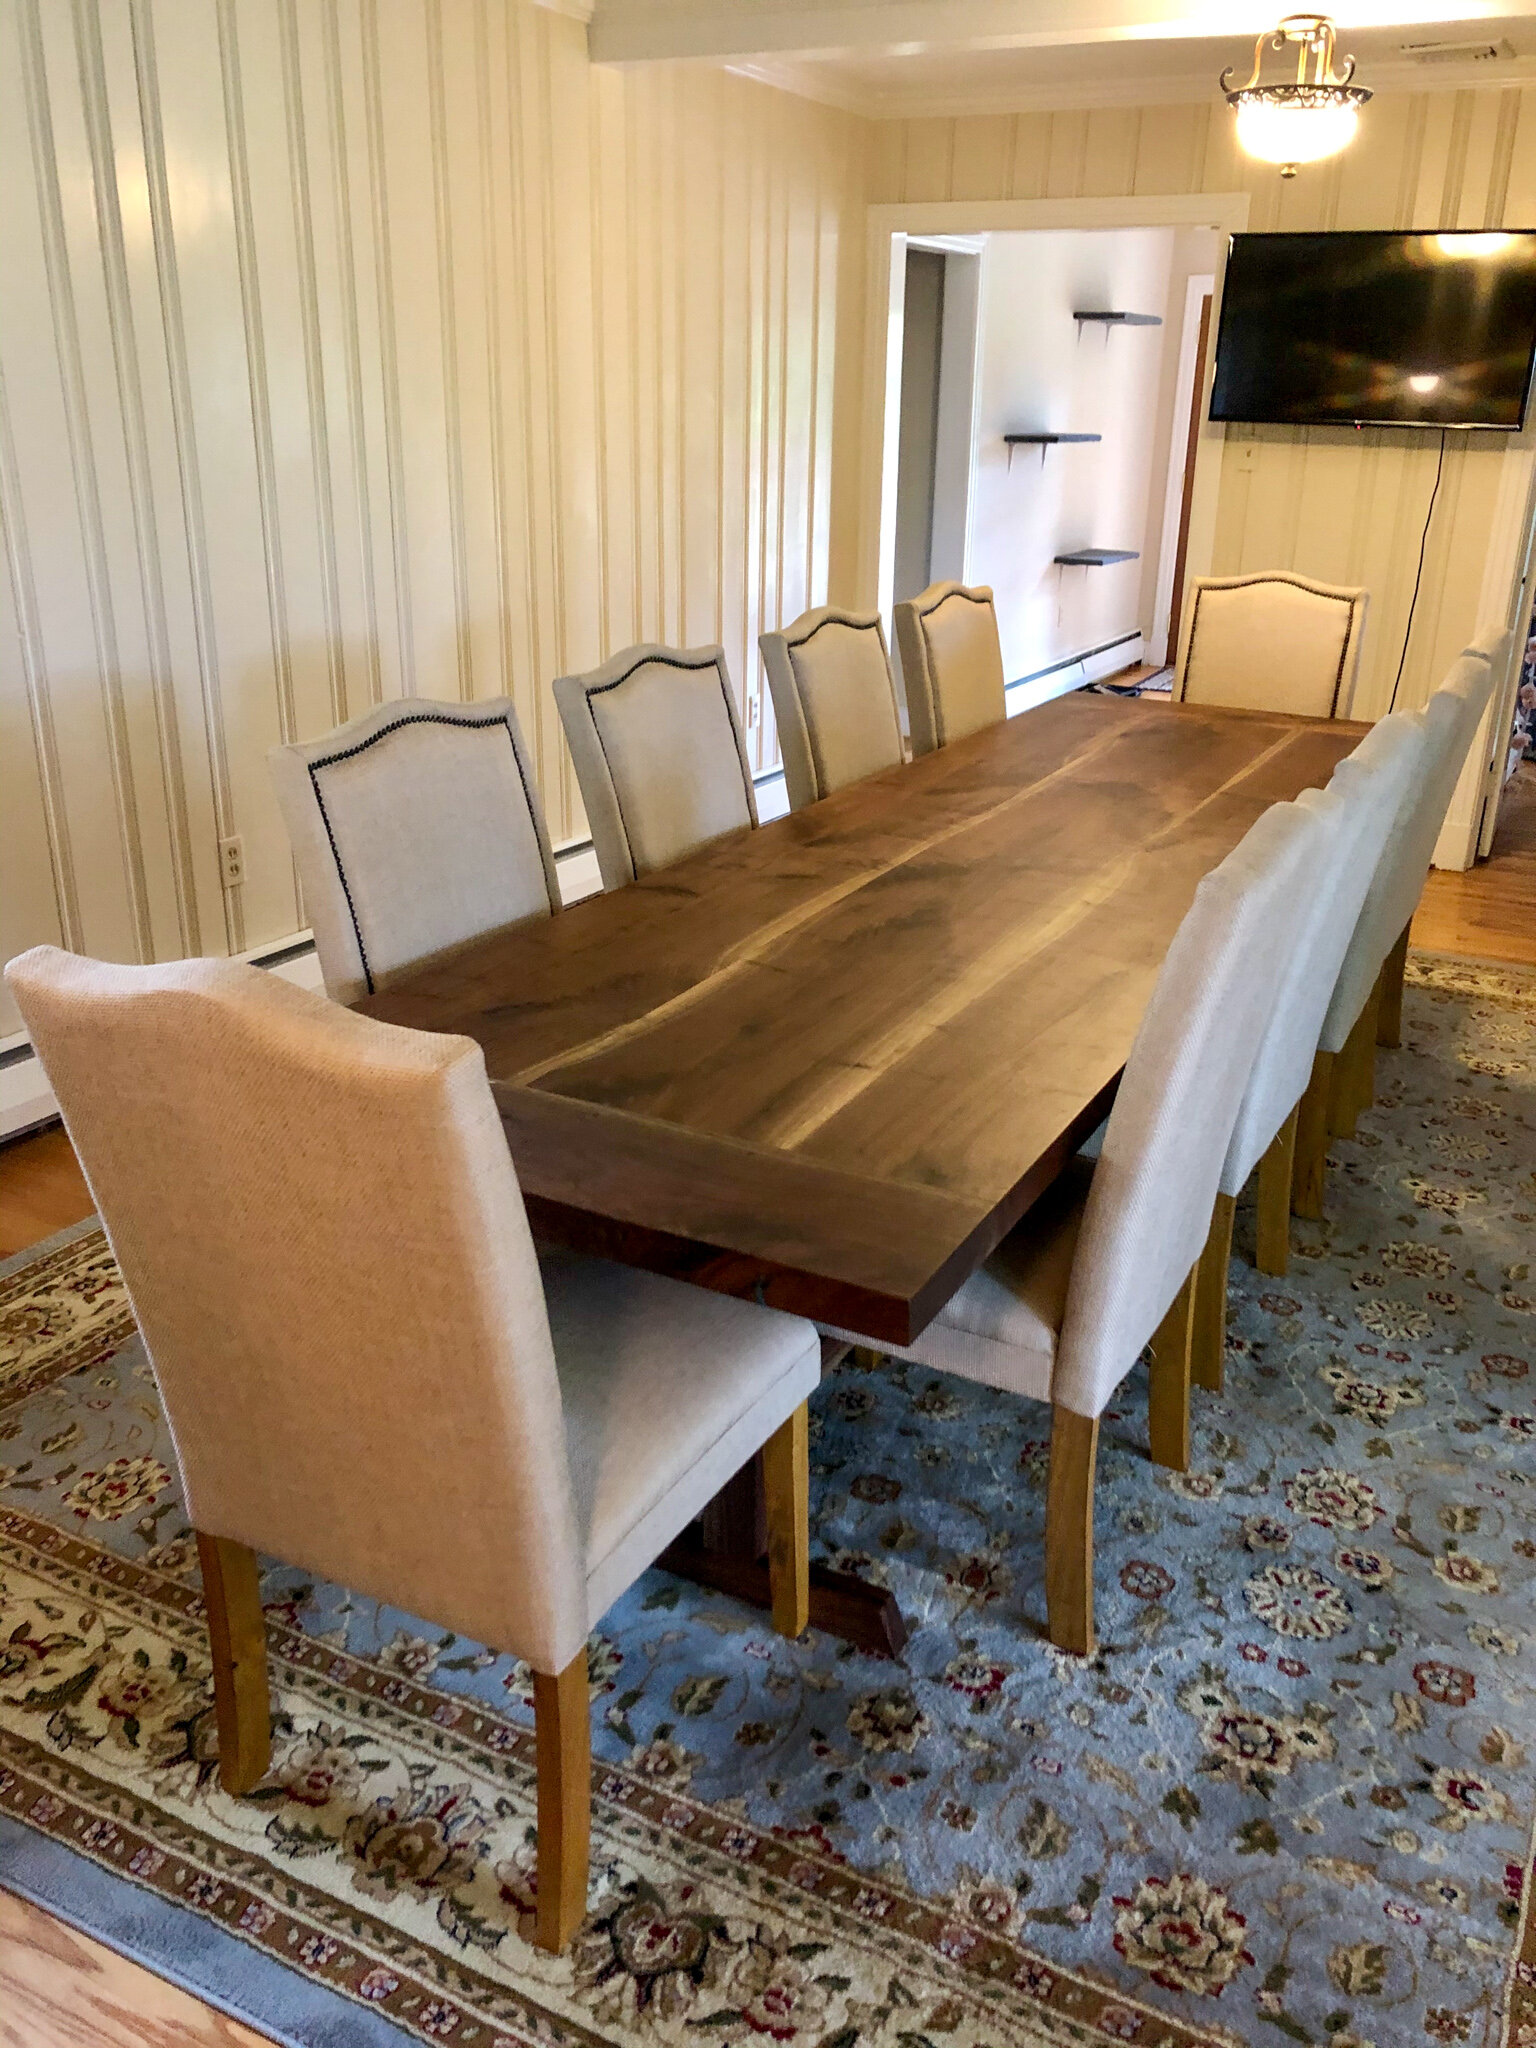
(629, 31)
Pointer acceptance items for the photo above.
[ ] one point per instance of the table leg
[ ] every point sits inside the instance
(727, 1550)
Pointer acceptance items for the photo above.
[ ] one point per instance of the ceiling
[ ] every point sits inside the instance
(937, 57)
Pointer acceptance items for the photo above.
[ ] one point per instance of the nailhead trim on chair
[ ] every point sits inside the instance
(1349, 604)
(602, 689)
(373, 739)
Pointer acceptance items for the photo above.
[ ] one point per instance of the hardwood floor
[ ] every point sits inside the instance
(1489, 913)
(60, 1990)
(41, 1190)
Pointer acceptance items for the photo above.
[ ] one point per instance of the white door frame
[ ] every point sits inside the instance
(1514, 504)
(1196, 288)
(884, 293)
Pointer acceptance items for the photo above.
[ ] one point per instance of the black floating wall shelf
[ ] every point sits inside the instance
(1042, 442)
(1097, 558)
(1123, 319)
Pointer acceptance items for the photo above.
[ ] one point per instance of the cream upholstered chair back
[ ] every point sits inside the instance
(1270, 642)
(326, 1250)
(1491, 645)
(415, 827)
(1149, 1203)
(1449, 722)
(659, 756)
(951, 663)
(1357, 810)
(834, 700)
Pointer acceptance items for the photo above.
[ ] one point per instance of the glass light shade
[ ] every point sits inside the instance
(1295, 131)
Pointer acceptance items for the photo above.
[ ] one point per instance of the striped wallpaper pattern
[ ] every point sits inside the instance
(359, 347)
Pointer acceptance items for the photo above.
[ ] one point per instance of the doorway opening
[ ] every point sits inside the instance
(1048, 419)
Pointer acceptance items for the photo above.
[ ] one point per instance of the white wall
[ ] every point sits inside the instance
(1038, 370)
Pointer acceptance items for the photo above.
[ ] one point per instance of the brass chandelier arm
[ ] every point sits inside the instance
(1314, 37)
(1269, 36)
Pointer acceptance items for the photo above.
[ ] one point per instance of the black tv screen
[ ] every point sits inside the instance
(1402, 330)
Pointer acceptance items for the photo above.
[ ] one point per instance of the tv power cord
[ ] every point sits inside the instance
(1419, 573)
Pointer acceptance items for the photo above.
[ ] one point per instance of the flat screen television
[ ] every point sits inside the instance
(1377, 329)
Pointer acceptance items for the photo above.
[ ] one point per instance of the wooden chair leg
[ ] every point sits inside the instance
(562, 1733)
(1389, 1023)
(1341, 1090)
(1364, 1079)
(1310, 1167)
(787, 1475)
(1208, 1353)
(1168, 1400)
(242, 1706)
(1353, 1087)
(1069, 1530)
(1272, 1248)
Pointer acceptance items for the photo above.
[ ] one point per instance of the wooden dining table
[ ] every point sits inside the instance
(829, 1063)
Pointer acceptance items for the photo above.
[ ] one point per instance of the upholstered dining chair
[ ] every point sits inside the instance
(659, 756)
(367, 1371)
(1104, 1263)
(415, 827)
(834, 700)
(1356, 812)
(1272, 641)
(951, 663)
(1370, 978)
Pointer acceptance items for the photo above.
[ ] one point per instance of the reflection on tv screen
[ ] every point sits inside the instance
(1433, 330)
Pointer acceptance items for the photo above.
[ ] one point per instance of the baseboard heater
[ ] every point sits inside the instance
(1074, 670)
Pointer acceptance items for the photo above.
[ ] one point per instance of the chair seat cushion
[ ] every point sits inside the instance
(667, 1390)
(1001, 1326)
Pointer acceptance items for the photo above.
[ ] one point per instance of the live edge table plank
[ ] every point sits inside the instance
(829, 1063)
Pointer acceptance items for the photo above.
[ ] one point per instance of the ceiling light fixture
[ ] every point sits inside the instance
(1303, 119)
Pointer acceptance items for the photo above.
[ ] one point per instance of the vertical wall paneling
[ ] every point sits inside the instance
(389, 369)
(33, 802)
(164, 316)
(343, 355)
(360, 347)
(135, 429)
(96, 735)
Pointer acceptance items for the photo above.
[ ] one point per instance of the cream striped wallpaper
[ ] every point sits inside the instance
(350, 347)
(1341, 505)
(353, 347)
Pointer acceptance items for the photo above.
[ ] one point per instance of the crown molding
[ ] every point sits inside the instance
(807, 80)
(633, 31)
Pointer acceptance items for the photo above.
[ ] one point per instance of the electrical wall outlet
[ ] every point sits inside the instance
(232, 861)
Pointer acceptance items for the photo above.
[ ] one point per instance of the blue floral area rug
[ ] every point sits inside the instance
(1289, 1800)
